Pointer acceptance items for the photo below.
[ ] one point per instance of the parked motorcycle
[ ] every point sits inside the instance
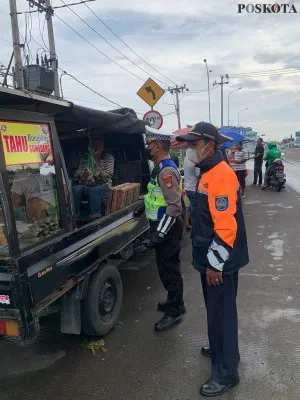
(278, 177)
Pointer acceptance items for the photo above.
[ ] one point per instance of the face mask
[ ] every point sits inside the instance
(197, 155)
(150, 151)
(203, 154)
(149, 155)
(192, 156)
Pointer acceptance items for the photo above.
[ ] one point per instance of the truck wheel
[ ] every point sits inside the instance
(101, 308)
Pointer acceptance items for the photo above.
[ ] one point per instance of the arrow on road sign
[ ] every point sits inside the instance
(150, 90)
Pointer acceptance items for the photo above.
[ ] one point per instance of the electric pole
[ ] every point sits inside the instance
(45, 5)
(176, 90)
(222, 83)
(208, 88)
(53, 56)
(18, 75)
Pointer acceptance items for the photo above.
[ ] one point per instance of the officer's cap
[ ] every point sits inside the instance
(203, 130)
(155, 134)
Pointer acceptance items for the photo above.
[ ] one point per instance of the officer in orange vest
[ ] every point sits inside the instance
(219, 250)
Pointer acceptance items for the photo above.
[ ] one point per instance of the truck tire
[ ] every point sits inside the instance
(102, 306)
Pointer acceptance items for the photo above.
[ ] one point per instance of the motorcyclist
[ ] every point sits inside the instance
(272, 154)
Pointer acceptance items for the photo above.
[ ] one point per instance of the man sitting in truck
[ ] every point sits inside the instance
(95, 178)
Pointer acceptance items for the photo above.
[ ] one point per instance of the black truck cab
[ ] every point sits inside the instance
(48, 255)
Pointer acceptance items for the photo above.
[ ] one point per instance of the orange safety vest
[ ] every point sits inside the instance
(219, 233)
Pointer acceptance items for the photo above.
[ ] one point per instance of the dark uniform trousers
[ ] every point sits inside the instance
(222, 322)
(168, 264)
(258, 173)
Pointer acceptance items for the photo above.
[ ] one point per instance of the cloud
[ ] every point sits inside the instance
(175, 37)
(272, 57)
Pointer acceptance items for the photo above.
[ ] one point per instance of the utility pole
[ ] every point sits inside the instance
(45, 5)
(18, 75)
(222, 83)
(176, 90)
(53, 56)
(177, 108)
(208, 89)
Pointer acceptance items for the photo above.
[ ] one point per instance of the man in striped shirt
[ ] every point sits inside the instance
(95, 179)
(238, 163)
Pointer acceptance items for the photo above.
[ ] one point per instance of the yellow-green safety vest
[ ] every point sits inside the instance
(155, 203)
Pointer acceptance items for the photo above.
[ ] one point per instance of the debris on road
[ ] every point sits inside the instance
(94, 345)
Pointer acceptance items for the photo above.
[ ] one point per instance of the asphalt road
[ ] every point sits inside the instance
(142, 365)
(291, 154)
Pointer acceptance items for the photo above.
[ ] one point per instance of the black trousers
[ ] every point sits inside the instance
(258, 174)
(168, 264)
(241, 175)
(222, 321)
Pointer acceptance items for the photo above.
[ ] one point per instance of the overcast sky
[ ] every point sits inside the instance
(175, 36)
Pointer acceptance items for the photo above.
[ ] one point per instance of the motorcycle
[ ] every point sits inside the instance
(278, 177)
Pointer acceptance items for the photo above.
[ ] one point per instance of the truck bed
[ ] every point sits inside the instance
(45, 273)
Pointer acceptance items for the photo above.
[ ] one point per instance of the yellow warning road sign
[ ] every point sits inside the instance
(150, 92)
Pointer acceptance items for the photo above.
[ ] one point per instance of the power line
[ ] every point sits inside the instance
(99, 51)
(130, 48)
(266, 71)
(87, 87)
(282, 71)
(42, 8)
(196, 91)
(28, 25)
(6, 40)
(90, 102)
(42, 31)
(170, 113)
(107, 105)
(110, 44)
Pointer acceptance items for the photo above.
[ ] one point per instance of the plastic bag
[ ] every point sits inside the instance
(91, 163)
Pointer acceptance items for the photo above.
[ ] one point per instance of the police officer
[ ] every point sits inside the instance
(163, 204)
(219, 251)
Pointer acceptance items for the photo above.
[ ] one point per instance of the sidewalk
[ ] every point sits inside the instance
(143, 365)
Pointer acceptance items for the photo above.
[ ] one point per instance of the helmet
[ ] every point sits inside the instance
(271, 145)
(278, 161)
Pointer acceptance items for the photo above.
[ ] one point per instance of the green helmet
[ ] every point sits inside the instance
(271, 145)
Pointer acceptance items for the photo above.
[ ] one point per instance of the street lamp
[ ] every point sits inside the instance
(244, 109)
(228, 100)
(208, 88)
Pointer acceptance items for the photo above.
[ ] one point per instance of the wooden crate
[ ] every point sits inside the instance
(122, 196)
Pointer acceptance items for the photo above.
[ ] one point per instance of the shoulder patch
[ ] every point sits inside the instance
(221, 203)
(168, 180)
(205, 185)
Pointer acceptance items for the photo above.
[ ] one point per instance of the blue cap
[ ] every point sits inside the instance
(203, 130)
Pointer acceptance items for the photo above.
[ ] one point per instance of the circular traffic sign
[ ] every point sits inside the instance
(154, 118)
